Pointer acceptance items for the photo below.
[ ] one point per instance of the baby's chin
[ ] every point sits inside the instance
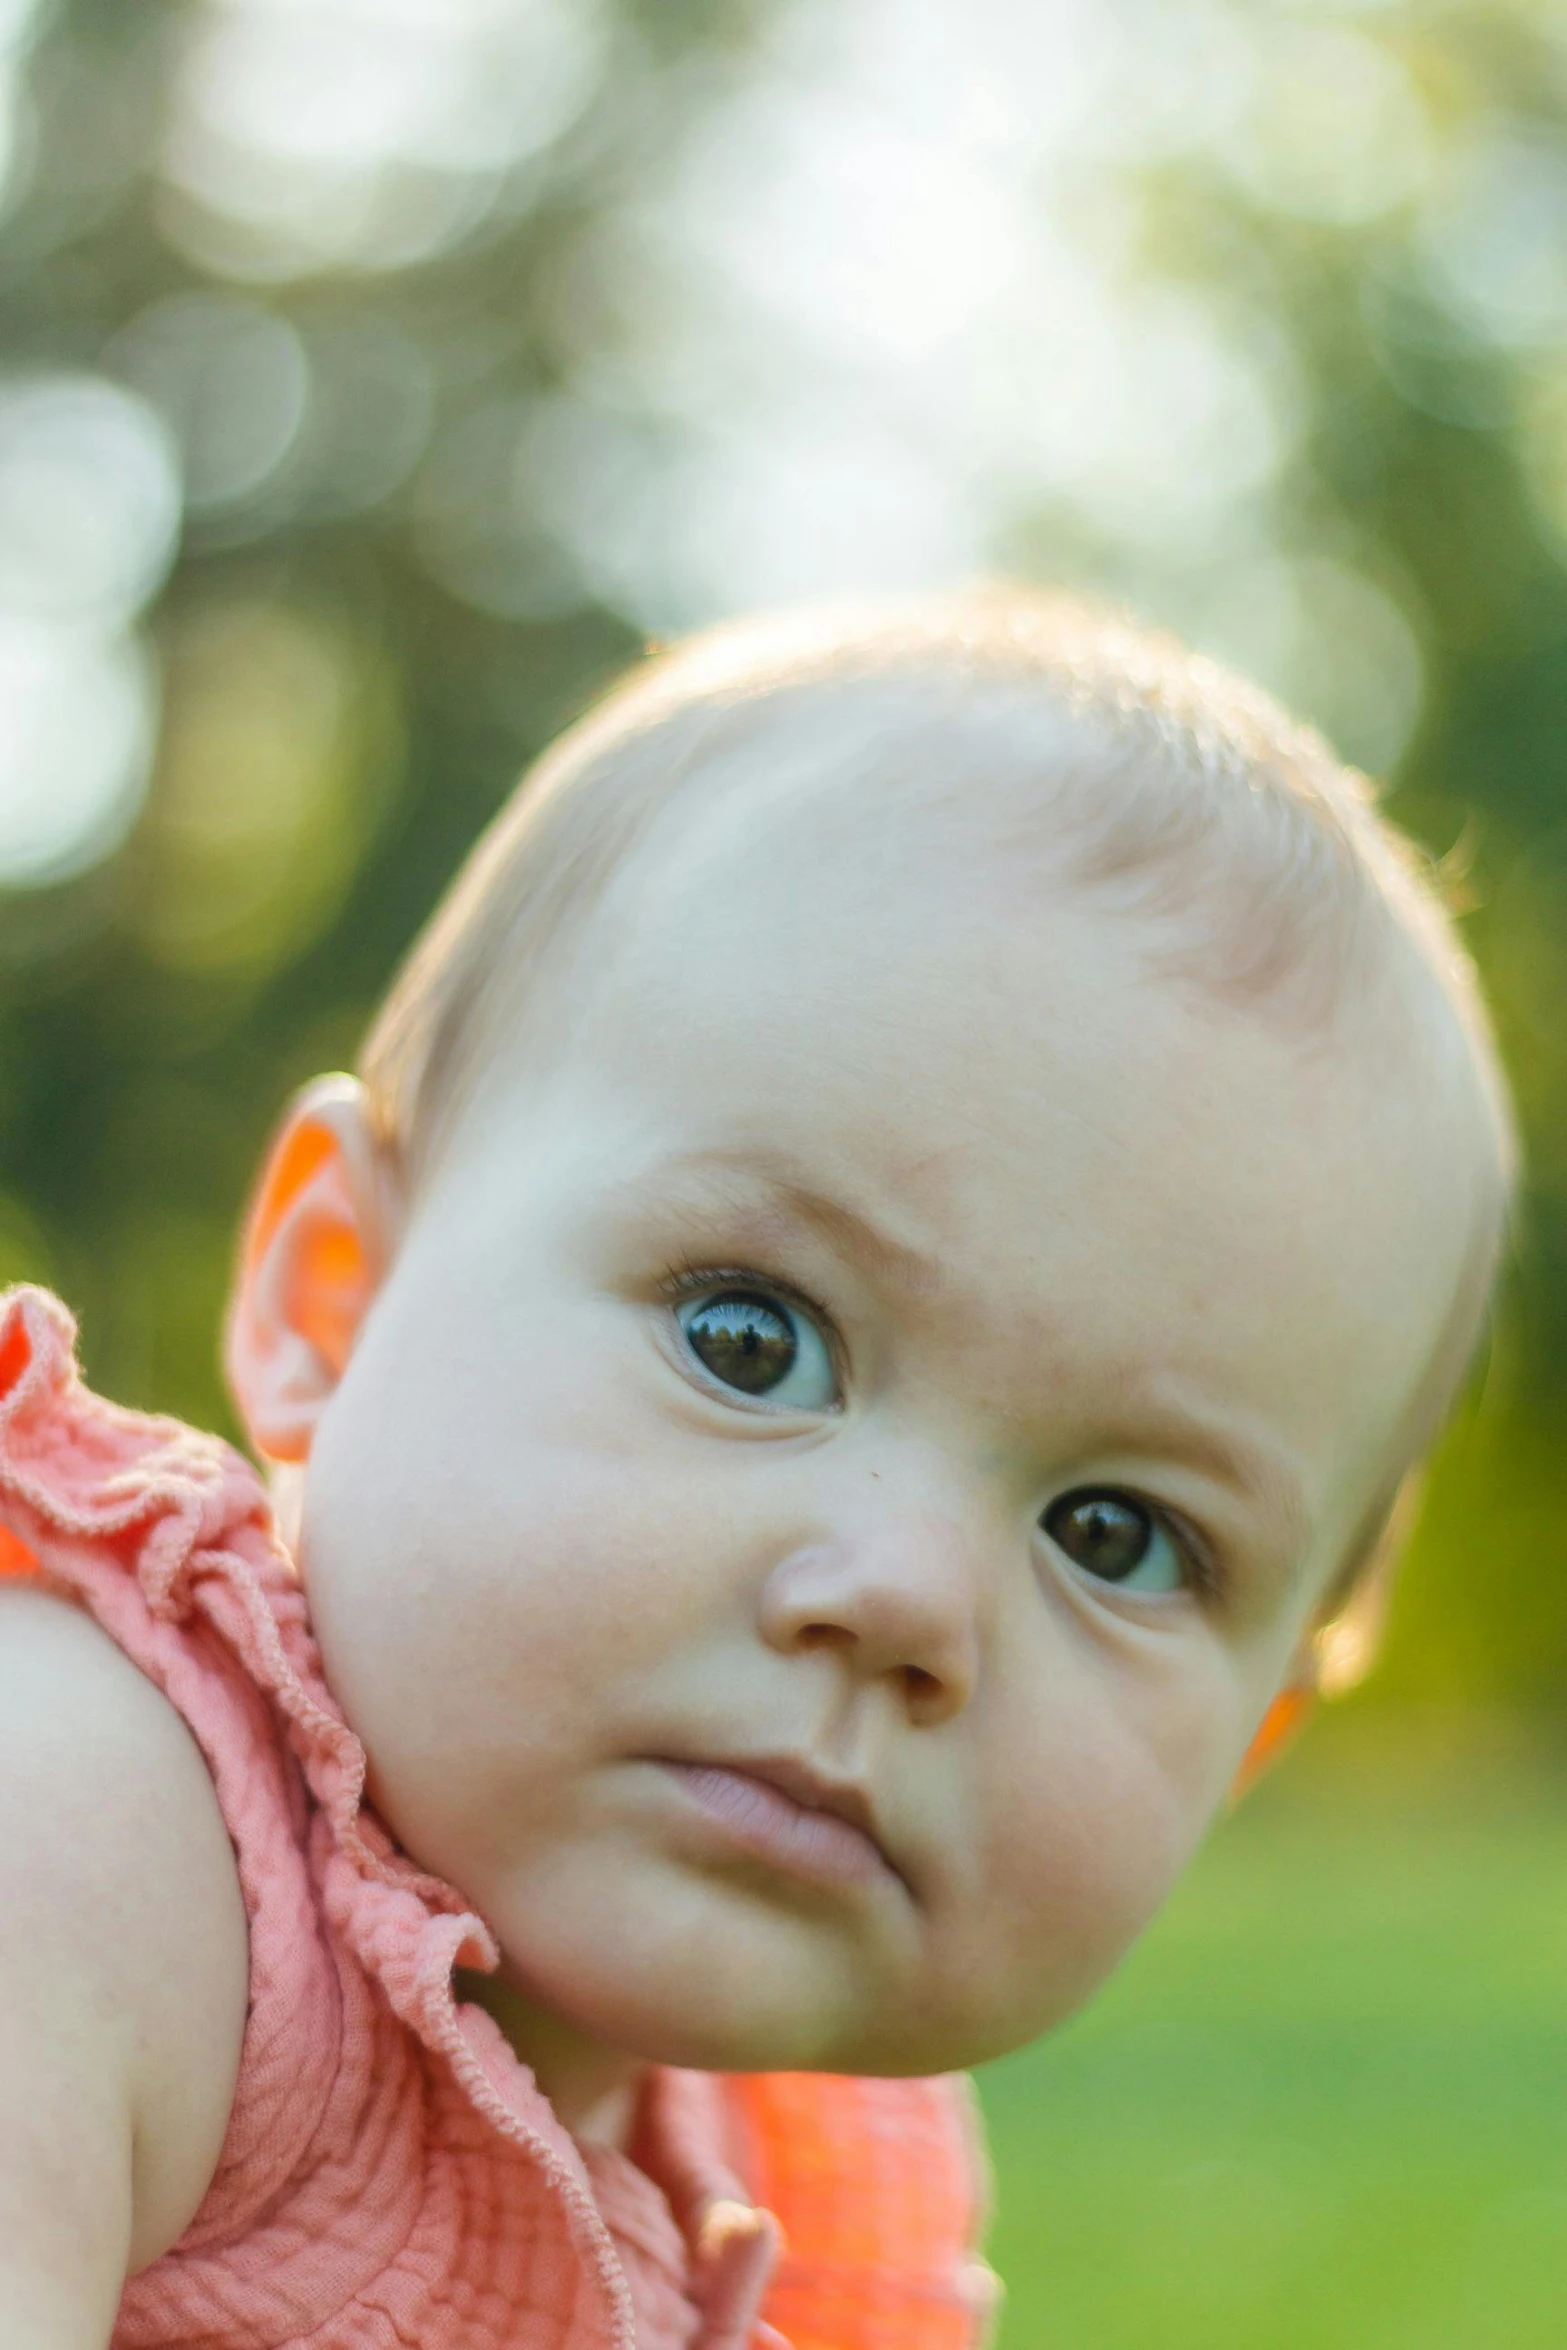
(763, 1996)
(725, 2014)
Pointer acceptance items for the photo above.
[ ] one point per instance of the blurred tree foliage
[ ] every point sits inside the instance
(365, 361)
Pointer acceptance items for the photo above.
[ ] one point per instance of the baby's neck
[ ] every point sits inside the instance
(592, 2088)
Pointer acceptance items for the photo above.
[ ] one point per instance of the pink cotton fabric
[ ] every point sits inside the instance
(391, 2175)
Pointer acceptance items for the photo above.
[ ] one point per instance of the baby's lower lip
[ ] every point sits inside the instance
(758, 1818)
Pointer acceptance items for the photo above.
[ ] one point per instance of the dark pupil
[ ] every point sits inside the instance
(1101, 1532)
(743, 1341)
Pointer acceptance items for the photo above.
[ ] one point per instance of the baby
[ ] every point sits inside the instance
(891, 1252)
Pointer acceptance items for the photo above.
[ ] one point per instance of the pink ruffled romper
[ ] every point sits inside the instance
(392, 2179)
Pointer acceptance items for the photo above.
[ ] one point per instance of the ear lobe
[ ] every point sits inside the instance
(315, 1244)
(1278, 1730)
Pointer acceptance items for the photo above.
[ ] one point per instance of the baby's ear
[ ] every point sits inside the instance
(1287, 1715)
(316, 1240)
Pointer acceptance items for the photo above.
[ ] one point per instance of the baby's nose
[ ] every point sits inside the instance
(898, 1601)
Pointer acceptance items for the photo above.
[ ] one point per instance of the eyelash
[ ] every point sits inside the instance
(1209, 1583)
(684, 1277)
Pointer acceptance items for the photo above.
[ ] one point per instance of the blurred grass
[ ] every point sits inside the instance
(1324, 2106)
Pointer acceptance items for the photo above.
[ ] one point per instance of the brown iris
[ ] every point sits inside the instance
(1103, 1533)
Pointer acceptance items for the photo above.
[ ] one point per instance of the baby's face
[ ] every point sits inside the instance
(842, 1458)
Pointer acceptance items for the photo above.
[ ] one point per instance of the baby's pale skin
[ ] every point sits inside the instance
(773, 1729)
(1061, 1226)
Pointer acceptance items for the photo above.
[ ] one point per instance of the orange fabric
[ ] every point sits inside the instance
(859, 2175)
(392, 2179)
(15, 1557)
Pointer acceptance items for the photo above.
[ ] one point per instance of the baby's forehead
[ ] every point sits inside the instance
(883, 949)
(953, 827)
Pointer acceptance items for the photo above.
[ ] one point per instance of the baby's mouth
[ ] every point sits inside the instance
(780, 1810)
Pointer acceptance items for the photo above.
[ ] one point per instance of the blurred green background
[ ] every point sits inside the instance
(377, 375)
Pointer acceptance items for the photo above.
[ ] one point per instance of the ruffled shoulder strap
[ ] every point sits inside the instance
(185, 1519)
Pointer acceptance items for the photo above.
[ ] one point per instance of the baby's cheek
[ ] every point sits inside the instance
(1080, 1853)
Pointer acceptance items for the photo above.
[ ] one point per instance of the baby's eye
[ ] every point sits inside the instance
(1119, 1540)
(759, 1343)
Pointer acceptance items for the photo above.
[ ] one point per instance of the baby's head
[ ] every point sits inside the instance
(895, 1244)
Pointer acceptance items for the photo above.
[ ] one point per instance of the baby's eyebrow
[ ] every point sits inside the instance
(1253, 1470)
(735, 1175)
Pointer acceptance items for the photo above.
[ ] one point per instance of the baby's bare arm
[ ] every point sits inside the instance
(123, 1965)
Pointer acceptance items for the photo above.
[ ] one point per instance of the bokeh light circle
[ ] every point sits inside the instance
(75, 748)
(89, 500)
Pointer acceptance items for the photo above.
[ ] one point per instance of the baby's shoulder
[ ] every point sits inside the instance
(123, 1943)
